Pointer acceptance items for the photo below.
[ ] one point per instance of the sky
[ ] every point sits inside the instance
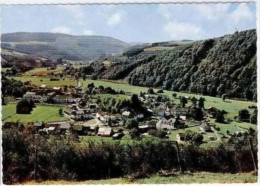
(132, 22)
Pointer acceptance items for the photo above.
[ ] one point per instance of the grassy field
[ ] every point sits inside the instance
(43, 71)
(12, 53)
(42, 112)
(200, 177)
(158, 48)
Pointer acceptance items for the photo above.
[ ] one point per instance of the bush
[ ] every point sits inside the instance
(131, 124)
(243, 115)
(24, 106)
(134, 134)
(157, 133)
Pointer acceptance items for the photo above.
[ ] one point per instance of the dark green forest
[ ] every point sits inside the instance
(224, 66)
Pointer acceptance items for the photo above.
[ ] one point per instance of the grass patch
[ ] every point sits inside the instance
(199, 177)
(42, 112)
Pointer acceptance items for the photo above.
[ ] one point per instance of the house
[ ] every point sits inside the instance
(100, 115)
(145, 128)
(63, 99)
(49, 130)
(105, 131)
(62, 125)
(56, 89)
(180, 137)
(73, 112)
(93, 107)
(172, 123)
(177, 123)
(205, 127)
(118, 135)
(43, 86)
(163, 124)
(81, 115)
(38, 125)
(126, 114)
(32, 95)
(69, 112)
(139, 116)
(44, 98)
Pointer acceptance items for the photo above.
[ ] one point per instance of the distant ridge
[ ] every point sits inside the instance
(58, 45)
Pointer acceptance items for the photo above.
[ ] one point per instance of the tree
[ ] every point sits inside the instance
(3, 100)
(197, 138)
(60, 112)
(249, 94)
(135, 99)
(253, 118)
(91, 85)
(174, 95)
(194, 101)
(24, 107)
(134, 134)
(196, 113)
(243, 115)
(201, 102)
(183, 101)
(150, 91)
(224, 97)
(193, 137)
(220, 117)
(131, 123)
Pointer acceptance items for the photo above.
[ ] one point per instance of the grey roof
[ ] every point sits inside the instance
(38, 124)
(80, 112)
(62, 124)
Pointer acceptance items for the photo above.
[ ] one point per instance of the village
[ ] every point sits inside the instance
(146, 114)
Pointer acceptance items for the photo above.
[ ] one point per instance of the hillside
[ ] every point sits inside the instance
(56, 45)
(215, 67)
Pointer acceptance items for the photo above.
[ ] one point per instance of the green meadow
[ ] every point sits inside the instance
(200, 177)
(42, 112)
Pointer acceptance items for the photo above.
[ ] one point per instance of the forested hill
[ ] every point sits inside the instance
(215, 67)
(226, 65)
(56, 45)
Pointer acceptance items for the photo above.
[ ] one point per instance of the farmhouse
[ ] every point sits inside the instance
(105, 131)
(93, 107)
(63, 99)
(126, 114)
(31, 95)
(163, 124)
(43, 86)
(38, 125)
(63, 125)
(145, 128)
(172, 123)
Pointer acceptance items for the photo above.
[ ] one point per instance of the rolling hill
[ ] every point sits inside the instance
(215, 67)
(56, 45)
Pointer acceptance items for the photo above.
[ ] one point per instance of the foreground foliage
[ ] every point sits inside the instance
(27, 156)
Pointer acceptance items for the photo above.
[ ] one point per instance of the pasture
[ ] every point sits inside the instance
(42, 112)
